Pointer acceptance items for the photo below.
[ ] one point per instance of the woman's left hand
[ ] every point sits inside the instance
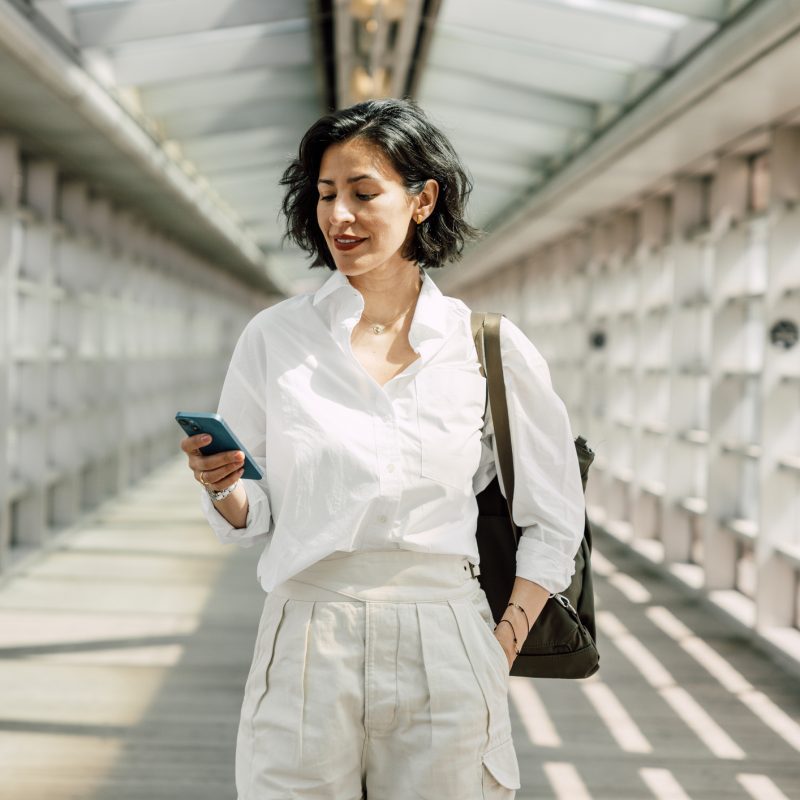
(526, 603)
(505, 636)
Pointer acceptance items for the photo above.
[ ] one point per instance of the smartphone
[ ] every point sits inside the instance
(222, 438)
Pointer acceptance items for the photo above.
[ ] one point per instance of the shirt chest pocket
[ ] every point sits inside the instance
(450, 403)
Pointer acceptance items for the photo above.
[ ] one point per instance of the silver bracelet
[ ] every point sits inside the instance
(221, 495)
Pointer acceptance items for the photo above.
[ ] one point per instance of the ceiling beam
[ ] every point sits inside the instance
(321, 15)
(492, 95)
(186, 57)
(253, 163)
(227, 88)
(712, 10)
(343, 50)
(223, 145)
(407, 37)
(243, 116)
(717, 97)
(536, 68)
(155, 185)
(500, 172)
(535, 135)
(389, 60)
(567, 27)
(522, 156)
(111, 24)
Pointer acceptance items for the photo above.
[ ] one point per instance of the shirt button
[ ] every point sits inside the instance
(382, 519)
(390, 467)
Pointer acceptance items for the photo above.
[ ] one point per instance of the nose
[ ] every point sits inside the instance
(341, 213)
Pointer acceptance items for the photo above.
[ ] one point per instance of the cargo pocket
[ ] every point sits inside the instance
(500, 772)
(481, 607)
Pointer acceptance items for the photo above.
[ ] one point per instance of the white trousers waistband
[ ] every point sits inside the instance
(392, 576)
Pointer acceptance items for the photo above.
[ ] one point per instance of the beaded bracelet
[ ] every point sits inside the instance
(513, 633)
(517, 605)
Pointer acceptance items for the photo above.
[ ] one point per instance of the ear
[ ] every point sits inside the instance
(426, 200)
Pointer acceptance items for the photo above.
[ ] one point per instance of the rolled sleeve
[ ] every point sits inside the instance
(258, 518)
(242, 405)
(549, 504)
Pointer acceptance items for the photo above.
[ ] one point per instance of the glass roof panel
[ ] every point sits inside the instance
(528, 82)
(715, 10)
(630, 10)
(107, 24)
(587, 26)
(489, 95)
(228, 88)
(476, 54)
(519, 85)
(230, 85)
(210, 52)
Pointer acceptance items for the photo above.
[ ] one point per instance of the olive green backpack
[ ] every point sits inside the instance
(561, 643)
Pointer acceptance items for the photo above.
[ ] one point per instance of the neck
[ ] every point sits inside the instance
(387, 294)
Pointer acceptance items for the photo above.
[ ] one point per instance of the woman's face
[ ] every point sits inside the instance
(363, 211)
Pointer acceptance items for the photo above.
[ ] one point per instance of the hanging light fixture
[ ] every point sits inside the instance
(374, 34)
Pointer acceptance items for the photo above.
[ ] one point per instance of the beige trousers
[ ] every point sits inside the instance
(377, 675)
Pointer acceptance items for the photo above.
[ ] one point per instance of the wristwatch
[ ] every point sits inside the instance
(222, 494)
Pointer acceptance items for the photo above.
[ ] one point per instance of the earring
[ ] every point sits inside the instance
(420, 217)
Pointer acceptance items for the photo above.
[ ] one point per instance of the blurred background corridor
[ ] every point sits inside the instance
(637, 175)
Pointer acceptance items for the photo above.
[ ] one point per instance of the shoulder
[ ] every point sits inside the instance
(520, 354)
(268, 329)
(512, 339)
(457, 308)
(275, 317)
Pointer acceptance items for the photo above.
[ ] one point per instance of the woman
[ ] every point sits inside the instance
(377, 669)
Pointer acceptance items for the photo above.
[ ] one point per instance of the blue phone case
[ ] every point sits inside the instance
(222, 438)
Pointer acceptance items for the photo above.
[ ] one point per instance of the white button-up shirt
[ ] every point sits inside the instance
(350, 465)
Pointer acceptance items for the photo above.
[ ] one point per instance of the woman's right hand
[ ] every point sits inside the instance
(218, 471)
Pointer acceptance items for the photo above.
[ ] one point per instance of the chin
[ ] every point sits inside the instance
(353, 267)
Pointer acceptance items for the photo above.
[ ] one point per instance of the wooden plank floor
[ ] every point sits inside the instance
(124, 650)
(123, 655)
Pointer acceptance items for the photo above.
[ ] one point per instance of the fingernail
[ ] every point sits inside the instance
(205, 438)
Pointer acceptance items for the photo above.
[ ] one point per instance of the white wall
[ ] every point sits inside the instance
(108, 328)
(694, 414)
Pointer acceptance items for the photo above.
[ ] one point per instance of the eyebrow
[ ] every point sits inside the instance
(354, 179)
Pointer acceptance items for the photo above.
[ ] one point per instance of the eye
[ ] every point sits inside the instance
(326, 198)
(366, 196)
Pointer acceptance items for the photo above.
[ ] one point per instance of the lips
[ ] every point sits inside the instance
(347, 242)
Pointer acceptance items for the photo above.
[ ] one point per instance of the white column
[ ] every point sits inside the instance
(729, 523)
(685, 490)
(9, 175)
(778, 546)
(651, 275)
(600, 491)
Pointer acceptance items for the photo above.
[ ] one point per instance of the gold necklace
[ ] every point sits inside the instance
(377, 327)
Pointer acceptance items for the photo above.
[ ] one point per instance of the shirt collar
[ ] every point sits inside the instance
(337, 280)
(432, 314)
(343, 304)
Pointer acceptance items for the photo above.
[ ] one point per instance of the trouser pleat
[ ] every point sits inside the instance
(393, 686)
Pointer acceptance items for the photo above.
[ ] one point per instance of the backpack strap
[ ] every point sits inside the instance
(486, 333)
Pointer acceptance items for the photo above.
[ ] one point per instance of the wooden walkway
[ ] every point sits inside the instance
(124, 649)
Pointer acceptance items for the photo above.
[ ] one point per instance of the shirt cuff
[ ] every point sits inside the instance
(257, 523)
(542, 563)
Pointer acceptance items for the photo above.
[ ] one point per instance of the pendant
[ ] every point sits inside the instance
(377, 328)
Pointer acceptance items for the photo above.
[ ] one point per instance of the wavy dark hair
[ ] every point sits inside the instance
(415, 147)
